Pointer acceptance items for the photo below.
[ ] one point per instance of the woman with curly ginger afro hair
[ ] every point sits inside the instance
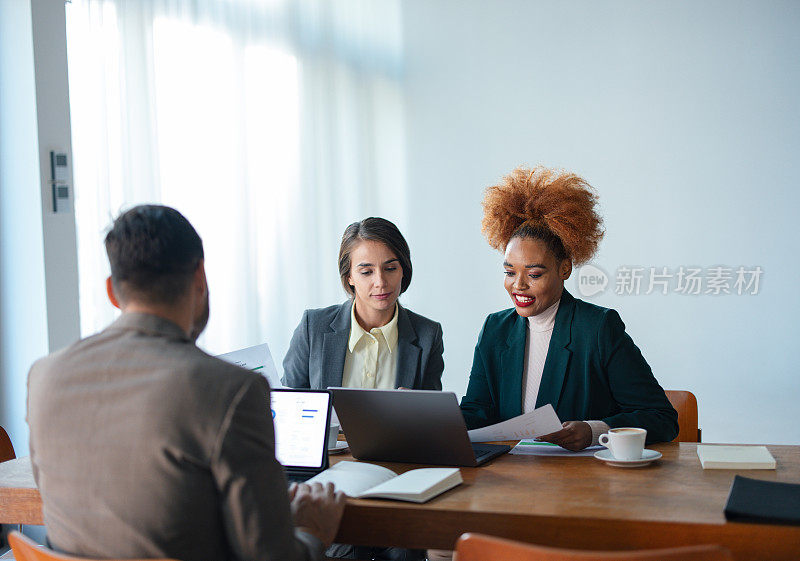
(551, 347)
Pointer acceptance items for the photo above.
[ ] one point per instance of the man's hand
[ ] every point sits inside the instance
(576, 435)
(317, 509)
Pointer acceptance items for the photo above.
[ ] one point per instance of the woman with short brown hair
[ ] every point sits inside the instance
(369, 341)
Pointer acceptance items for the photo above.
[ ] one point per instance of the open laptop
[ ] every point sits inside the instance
(301, 419)
(415, 426)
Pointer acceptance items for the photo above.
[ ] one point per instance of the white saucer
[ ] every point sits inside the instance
(341, 446)
(647, 457)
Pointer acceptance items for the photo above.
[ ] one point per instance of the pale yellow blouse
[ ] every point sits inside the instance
(370, 361)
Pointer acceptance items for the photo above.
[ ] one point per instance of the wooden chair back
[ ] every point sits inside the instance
(477, 547)
(25, 549)
(6, 448)
(685, 403)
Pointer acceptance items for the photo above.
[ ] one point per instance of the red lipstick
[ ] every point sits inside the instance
(520, 303)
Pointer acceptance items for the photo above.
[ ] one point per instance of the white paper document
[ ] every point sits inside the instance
(528, 425)
(533, 448)
(258, 359)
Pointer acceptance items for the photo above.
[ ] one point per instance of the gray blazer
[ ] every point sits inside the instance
(315, 358)
(143, 446)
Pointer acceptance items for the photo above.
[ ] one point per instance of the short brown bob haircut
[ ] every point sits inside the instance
(554, 206)
(378, 230)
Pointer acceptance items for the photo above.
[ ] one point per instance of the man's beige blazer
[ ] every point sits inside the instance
(143, 446)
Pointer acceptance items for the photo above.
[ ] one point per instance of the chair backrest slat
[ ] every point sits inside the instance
(685, 403)
(6, 448)
(25, 549)
(477, 547)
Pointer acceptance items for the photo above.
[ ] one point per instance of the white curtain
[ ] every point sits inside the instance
(270, 125)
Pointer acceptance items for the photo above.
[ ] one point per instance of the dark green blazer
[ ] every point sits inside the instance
(593, 371)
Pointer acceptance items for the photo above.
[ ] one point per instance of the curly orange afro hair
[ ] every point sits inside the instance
(544, 203)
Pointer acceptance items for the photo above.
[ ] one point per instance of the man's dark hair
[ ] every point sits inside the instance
(379, 230)
(153, 251)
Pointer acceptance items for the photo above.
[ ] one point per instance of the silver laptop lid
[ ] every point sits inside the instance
(416, 426)
(301, 419)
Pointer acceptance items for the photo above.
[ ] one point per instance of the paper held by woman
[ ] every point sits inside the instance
(528, 425)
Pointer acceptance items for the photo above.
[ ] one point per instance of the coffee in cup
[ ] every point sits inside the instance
(625, 443)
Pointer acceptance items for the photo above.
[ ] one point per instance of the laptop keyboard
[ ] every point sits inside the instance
(299, 477)
(485, 450)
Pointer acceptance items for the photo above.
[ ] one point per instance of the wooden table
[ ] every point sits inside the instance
(567, 502)
(582, 503)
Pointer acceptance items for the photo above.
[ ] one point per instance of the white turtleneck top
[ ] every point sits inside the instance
(540, 330)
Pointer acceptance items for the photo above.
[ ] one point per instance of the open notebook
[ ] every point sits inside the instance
(362, 480)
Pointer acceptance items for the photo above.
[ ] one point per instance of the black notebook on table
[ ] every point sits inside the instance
(769, 502)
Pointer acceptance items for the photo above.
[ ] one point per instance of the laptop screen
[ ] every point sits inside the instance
(301, 427)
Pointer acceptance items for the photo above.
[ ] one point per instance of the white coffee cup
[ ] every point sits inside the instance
(625, 443)
(333, 435)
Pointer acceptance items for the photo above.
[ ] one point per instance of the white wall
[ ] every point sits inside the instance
(683, 115)
(38, 302)
(53, 122)
(23, 313)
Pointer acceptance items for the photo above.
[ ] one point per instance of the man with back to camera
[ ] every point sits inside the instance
(144, 446)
